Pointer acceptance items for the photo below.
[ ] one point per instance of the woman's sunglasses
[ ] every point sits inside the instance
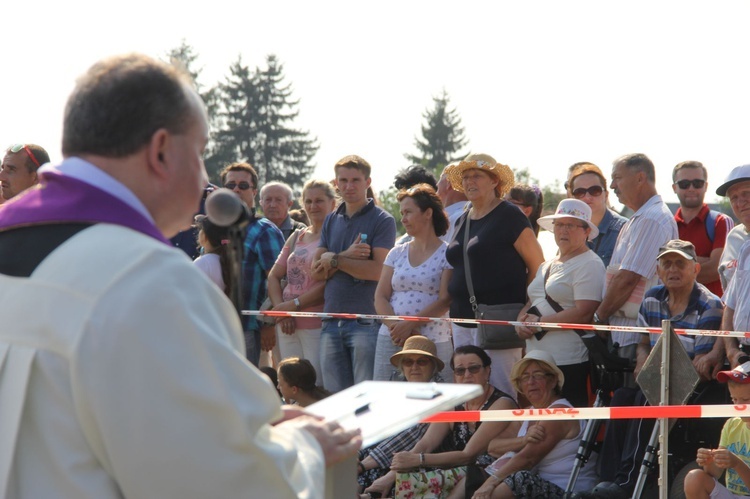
(594, 190)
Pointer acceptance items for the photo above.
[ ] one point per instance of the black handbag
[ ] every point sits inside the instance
(491, 336)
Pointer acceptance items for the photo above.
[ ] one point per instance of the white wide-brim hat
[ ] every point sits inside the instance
(570, 208)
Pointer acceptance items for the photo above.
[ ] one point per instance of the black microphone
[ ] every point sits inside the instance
(226, 209)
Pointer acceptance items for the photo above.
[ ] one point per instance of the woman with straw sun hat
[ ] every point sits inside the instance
(503, 253)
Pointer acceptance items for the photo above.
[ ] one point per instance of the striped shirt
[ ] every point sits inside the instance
(737, 296)
(636, 250)
(704, 311)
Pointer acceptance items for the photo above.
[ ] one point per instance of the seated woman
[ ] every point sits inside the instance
(417, 362)
(538, 462)
(467, 441)
(297, 382)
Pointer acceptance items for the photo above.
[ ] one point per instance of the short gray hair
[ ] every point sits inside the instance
(287, 189)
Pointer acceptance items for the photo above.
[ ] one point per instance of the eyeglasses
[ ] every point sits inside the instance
(18, 147)
(421, 362)
(594, 190)
(460, 371)
(561, 226)
(697, 183)
(525, 378)
(242, 185)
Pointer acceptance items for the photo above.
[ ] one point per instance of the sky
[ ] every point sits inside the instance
(539, 85)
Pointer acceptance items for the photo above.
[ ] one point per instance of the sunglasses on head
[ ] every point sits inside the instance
(594, 190)
(698, 183)
(460, 371)
(23, 147)
(242, 185)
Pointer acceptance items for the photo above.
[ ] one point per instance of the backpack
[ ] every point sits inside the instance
(711, 224)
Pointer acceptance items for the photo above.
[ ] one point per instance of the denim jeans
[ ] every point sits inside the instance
(252, 346)
(347, 352)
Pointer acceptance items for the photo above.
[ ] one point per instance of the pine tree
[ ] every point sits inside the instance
(442, 136)
(234, 138)
(255, 116)
(185, 57)
(284, 153)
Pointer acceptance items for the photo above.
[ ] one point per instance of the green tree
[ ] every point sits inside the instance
(186, 58)
(285, 152)
(233, 138)
(389, 203)
(255, 115)
(442, 136)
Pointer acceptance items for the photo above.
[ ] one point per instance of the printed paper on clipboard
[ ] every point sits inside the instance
(384, 408)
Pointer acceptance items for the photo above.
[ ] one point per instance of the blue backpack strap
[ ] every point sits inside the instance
(711, 218)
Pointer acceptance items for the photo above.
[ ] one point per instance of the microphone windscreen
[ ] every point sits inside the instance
(223, 207)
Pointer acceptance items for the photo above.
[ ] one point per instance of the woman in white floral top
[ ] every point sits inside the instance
(414, 281)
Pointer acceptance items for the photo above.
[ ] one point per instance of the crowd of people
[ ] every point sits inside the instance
(470, 243)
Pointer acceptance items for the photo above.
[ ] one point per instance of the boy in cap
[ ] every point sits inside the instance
(733, 454)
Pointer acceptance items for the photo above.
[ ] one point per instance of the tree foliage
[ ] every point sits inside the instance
(390, 204)
(442, 136)
(185, 57)
(251, 115)
(256, 111)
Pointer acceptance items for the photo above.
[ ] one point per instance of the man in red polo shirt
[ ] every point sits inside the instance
(706, 229)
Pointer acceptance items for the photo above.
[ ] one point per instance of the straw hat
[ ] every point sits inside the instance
(570, 208)
(486, 163)
(541, 357)
(418, 345)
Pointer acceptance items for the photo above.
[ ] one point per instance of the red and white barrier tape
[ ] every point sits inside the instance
(565, 413)
(545, 325)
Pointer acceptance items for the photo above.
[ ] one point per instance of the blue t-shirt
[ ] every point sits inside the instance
(344, 293)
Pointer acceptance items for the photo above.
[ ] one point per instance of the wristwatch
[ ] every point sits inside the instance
(599, 320)
(296, 304)
(334, 261)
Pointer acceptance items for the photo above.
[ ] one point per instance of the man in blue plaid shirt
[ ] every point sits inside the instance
(263, 244)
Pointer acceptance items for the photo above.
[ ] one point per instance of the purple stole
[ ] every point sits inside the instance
(60, 199)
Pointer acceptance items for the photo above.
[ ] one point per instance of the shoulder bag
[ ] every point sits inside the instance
(491, 336)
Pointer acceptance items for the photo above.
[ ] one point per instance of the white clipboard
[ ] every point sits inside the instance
(384, 408)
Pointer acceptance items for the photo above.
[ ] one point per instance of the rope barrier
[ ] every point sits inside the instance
(562, 413)
(567, 413)
(544, 325)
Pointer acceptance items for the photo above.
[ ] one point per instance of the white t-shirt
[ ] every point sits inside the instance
(579, 278)
(416, 287)
(210, 264)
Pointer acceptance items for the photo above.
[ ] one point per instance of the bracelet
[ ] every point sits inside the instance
(421, 458)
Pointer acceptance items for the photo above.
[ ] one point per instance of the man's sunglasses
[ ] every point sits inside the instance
(697, 183)
(23, 147)
(594, 190)
(242, 185)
